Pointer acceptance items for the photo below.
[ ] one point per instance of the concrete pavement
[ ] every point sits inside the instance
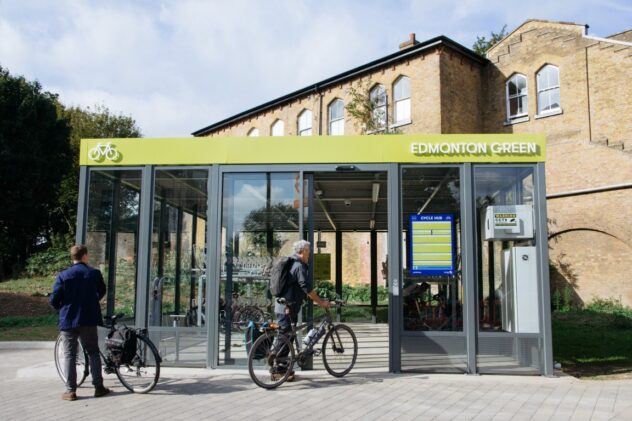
(31, 390)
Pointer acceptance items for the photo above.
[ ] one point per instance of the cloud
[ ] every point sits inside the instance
(177, 66)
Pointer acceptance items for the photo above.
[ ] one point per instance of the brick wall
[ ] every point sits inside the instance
(461, 94)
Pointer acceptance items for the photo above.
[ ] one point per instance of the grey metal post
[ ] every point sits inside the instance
(144, 245)
(542, 251)
(394, 270)
(468, 274)
(82, 208)
(213, 263)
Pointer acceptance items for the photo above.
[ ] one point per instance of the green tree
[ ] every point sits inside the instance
(89, 123)
(34, 157)
(365, 110)
(483, 44)
(278, 217)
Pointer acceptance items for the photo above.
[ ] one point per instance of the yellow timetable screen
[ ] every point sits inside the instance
(432, 244)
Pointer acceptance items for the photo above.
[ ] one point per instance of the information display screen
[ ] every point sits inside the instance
(432, 244)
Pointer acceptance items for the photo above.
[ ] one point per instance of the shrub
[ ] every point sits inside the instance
(619, 315)
(51, 260)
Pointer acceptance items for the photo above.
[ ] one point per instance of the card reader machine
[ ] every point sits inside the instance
(508, 222)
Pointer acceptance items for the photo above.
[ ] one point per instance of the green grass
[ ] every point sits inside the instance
(39, 286)
(593, 343)
(34, 328)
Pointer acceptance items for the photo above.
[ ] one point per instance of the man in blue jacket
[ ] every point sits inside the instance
(76, 294)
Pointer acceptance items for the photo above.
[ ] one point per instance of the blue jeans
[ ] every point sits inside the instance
(90, 342)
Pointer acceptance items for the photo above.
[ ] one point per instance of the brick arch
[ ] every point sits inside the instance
(591, 263)
(552, 236)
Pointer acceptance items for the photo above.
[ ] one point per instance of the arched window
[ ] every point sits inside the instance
(401, 100)
(254, 132)
(548, 85)
(305, 123)
(337, 118)
(377, 95)
(277, 128)
(517, 98)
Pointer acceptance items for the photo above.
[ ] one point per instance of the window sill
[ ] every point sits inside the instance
(401, 123)
(549, 114)
(375, 131)
(516, 120)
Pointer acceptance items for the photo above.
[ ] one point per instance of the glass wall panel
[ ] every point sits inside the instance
(502, 187)
(260, 221)
(177, 307)
(431, 217)
(508, 304)
(112, 235)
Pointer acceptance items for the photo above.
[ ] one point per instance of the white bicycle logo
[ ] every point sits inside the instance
(106, 151)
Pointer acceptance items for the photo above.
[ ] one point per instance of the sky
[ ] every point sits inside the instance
(178, 66)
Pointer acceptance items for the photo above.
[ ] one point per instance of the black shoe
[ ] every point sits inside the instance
(101, 391)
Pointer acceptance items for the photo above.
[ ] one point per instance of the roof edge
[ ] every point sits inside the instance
(359, 70)
(558, 22)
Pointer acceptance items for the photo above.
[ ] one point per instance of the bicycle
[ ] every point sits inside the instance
(273, 354)
(139, 376)
(101, 151)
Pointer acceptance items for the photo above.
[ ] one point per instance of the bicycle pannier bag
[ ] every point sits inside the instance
(279, 276)
(122, 345)
(251, 335)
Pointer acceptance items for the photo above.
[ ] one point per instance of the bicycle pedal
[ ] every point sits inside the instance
(317, 352)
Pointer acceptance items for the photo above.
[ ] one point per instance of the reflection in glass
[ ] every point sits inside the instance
(432, 301)
(260, 221)
(177, 271)
(499, 186)
(112, 235)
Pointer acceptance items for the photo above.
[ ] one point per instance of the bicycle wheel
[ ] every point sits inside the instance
(82, 358)
(94, 154)
(112, 154)
(247, 314)
(270, 360)
(340, 350)
(142, 374)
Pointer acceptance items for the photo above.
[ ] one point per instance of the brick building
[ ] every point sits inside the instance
(544, 77)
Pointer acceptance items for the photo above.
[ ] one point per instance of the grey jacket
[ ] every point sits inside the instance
(299, 286)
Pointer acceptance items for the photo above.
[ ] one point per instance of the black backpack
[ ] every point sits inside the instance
(122, 345)
(280, 276)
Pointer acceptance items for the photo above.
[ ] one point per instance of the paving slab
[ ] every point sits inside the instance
(31, 390)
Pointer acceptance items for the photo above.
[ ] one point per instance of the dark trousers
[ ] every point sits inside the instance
(285, 328)
(90, 342)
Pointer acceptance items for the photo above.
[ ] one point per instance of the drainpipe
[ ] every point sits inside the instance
(320, 110)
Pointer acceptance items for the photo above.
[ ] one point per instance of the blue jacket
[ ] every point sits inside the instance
(76, 295)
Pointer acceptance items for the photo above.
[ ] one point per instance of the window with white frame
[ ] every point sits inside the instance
(517, 98)
(548, 85)
(277, 128)
(401, 100)
(377, 96)
(305, 123)
(254, 132)
(337, 118)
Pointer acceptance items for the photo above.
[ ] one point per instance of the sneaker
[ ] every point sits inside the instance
(69, 396)
(101, 391)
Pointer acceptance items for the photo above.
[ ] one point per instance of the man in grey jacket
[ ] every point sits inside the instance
(299, 288)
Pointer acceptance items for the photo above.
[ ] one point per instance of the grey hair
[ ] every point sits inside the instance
(300, 245)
